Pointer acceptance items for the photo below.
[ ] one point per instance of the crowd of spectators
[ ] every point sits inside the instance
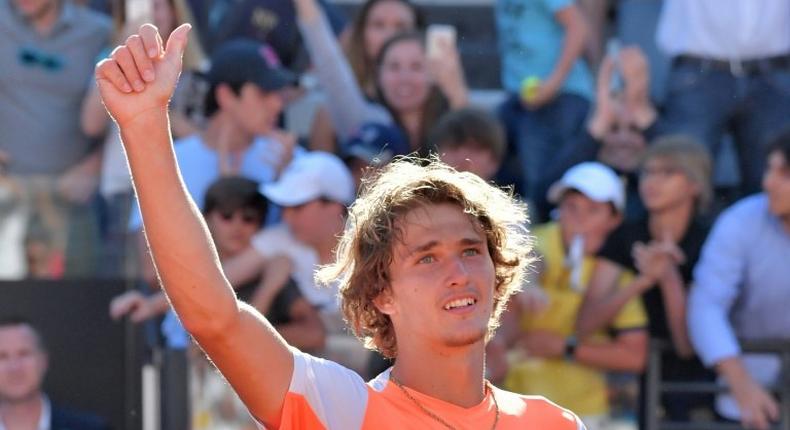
(615, 143)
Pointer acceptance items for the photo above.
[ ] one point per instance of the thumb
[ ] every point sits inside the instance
(176, 43)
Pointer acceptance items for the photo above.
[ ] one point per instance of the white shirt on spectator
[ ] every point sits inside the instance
(277, 240)
(44, 420)
(725, 29)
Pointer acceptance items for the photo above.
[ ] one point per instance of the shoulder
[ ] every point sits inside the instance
(746, 208)
(92, 20)
(539, 411)
(67, 419)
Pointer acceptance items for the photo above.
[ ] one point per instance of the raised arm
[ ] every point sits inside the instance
(243, 345)
(347, 106)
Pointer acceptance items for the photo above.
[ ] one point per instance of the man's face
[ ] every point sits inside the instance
(33, 9)
(254, 110)
(580, 215)
(311, 222)
(776, 183)
(470, 159)
(441, 279)
(22, 363)
(664, 186)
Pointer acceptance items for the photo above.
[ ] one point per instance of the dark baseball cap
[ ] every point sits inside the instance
(243, 60)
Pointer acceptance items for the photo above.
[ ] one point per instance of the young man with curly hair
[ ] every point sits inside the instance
(426, 264)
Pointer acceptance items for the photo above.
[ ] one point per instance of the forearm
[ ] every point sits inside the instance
(675, 305)
(614, 355)
(347, 107)
(572, 44)
(182, 250)
(93, 118)
(733, 371)
(597, 313)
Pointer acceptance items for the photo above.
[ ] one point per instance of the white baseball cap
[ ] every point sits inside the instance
(595, 180)
(312, 176)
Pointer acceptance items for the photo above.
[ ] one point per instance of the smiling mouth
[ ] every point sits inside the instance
(460, 303)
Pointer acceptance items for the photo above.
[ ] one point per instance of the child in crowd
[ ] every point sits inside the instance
(545, 356)
(661, 250)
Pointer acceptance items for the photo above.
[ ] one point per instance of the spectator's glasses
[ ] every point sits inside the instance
(247, 216)
(29, 57)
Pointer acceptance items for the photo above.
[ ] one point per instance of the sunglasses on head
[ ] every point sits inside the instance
(30, 57)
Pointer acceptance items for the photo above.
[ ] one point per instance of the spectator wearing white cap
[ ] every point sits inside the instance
(539, 325)
(314, 192)
(661, 251)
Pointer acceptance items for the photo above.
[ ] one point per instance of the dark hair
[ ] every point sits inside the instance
(17, 320)
(435, 104)
(469, 127)
(780, 143)
(361, 65)
(233, 193)
(210, 104)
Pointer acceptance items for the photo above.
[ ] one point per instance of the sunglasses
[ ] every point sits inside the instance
(30, 57)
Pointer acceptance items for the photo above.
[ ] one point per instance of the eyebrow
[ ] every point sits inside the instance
(433, 244)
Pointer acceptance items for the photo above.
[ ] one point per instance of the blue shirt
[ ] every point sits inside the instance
(742, 288)
(530, 42)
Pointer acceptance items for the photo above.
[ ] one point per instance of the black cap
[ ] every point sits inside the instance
(243, 60)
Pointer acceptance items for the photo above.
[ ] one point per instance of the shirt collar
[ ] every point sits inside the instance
(45, 419)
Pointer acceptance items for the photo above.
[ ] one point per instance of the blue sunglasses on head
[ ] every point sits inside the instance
(30, 57)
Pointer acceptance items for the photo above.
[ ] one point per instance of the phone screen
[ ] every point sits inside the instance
(437, 33)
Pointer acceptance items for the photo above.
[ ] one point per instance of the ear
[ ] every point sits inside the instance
(384, 302)
(224, 95)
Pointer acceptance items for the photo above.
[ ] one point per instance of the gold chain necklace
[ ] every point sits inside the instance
(438, 418)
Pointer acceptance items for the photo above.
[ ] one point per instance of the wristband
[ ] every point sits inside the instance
(570, 348)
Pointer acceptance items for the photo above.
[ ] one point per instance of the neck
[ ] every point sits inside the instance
(43, 21)
(412, 122)
(23, 413)
(671, 222)
(453, 375)
(222, 134)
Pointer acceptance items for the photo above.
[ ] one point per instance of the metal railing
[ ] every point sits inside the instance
(656, 386)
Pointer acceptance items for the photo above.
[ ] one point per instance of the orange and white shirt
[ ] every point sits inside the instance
(324, 395)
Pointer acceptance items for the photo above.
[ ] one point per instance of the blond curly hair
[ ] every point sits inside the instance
(365, 250)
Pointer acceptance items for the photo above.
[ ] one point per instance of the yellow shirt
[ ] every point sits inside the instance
(579, 388)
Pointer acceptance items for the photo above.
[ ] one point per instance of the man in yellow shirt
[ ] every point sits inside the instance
(545, 357)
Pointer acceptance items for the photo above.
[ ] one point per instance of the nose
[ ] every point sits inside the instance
(457, 273)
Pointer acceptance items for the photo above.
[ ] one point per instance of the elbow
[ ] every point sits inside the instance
(211, 326)
(637, 362)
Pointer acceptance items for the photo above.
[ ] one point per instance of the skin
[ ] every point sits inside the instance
(776, 184)
(442, 257)
(40, 14)
(404, 78)
(23, 365)
(468, 158)
(384, 20)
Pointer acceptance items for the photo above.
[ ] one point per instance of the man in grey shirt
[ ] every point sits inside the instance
(742, 291)
(49, 49)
